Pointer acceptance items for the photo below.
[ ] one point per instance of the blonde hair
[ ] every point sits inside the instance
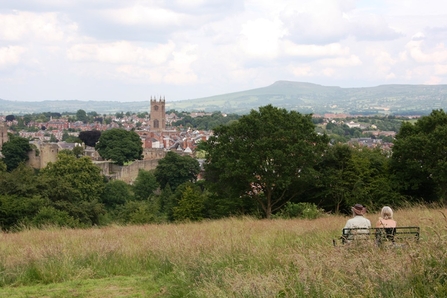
(386, 213)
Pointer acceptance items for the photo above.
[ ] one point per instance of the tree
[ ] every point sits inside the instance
(333, 188)
(190, 206)
(419, 159)
(119, 145)
(116, 193)
(16, 210)
(90, 137)
(266, 156)
(10, 118)
(81, 115)
(175, 169)
(53, 139)
(78, 151)
(349, 175)
(74, 185)
(20, 198)
(144, 185)
(20, 182)
(15, 151)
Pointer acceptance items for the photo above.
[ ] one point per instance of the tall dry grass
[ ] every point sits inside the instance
(237, 257)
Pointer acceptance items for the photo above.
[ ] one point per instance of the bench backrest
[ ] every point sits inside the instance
(380, 235)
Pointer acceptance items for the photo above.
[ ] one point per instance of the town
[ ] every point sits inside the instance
(162, 131)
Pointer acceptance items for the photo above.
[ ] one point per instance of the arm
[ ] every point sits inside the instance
(379, 223)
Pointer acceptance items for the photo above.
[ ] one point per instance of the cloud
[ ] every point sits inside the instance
(26, 26)
(318, 21)
(373, 28)
(153, 17)
(315, 51)
(441, 69)
(168, 63)
(260, 38)
(120, 52)
(205, 47)
(415, 50)
(10, 55)
(341, 62)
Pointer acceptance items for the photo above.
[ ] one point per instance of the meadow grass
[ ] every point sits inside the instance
(234, 257)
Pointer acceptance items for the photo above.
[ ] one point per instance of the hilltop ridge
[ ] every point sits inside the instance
(300, 96)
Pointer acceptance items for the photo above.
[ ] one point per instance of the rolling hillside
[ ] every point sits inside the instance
(303, 97)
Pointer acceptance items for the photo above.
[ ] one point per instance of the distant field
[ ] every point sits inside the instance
(237, 257)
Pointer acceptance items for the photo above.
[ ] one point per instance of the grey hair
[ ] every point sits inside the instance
(386, 213)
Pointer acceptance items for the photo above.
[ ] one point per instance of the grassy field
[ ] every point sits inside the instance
(237, 257)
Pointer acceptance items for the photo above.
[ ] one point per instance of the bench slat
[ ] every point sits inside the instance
(380, 235)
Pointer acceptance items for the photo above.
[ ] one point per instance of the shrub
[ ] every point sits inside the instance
(301, 210)
(50, 216)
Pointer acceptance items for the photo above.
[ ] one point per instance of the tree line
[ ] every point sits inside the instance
(265, 164)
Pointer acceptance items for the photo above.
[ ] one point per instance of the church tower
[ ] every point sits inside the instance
(3, 134)
(158, 114)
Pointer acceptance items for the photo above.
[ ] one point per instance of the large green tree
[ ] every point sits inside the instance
(119, 145)
(74, 185)
(20, 198)
(15, 151)
(266, 156)
(419, 160)
(190, 206)
(175, 169)
(348, 175)
(145, 185)
(116, 193)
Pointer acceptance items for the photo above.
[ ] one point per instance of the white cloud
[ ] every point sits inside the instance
(306, 50)
(341, 62)
(10, 55)
(25, 26)
(179, 70)
(120, 52)
(124, 61)
(260, 38)
(418, 53)
(214, 46)
(441, 69)
(316, 21)
(145, 15)
(433, 80)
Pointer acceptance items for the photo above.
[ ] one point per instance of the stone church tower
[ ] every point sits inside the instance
(3, 134)
(158, 114)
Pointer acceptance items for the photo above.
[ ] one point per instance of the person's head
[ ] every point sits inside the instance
(358, 209)
(386, 213)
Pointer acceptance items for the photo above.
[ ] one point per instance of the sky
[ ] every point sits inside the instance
(132, 50)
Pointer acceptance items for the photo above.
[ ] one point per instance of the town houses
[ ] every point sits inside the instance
(48, 138)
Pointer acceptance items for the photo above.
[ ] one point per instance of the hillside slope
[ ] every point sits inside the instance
(303, 97)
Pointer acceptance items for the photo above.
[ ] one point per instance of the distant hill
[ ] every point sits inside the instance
(302, 97)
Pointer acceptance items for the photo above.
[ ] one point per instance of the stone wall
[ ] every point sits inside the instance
(44, 153)
(127, 173)
(47, 152)
(3, 134)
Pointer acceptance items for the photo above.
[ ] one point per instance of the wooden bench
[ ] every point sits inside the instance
(381, 236)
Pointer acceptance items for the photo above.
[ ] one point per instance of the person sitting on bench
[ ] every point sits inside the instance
(359, 223)
(386, 218)
(387, 222)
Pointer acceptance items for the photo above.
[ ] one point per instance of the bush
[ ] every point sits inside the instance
(301, 210)
(49, 216)
(138, 212)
